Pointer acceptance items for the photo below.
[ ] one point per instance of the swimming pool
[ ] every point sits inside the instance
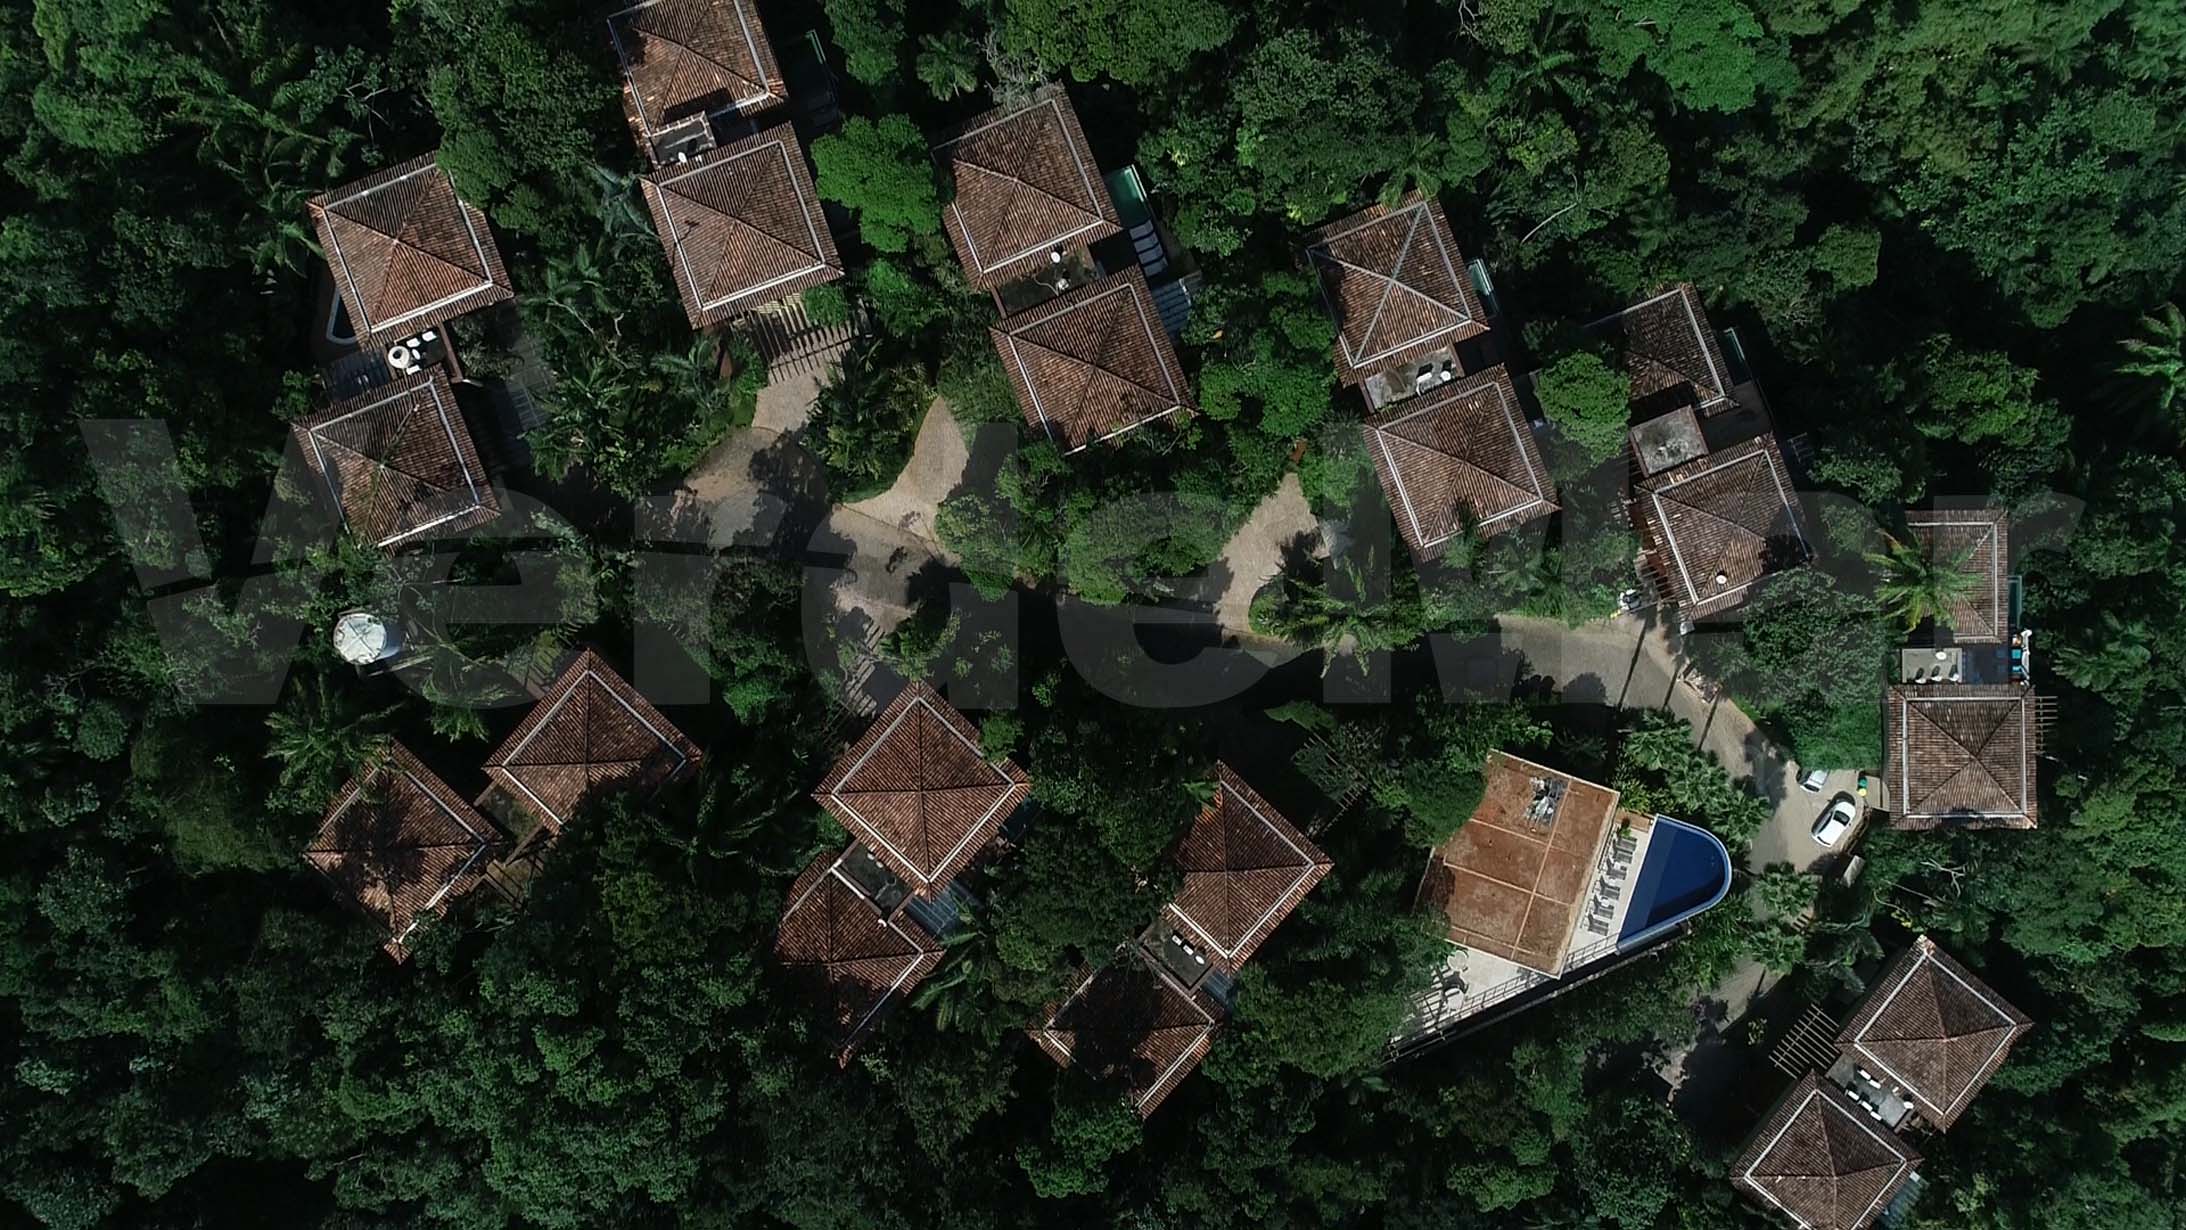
(1685, 873)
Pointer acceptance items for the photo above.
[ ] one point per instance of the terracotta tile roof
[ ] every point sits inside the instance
(1961, 754)
(398, 461)
(401, 844)
(1026, 184)
(918, 791)
(1133, 1024)
(839, 947)
(406, 252)
(1819, 1160)
(1464, 450)
(1933, 1029)
(1396, 285)
(742, 226)
(1093, 363)
(1670, 352)
(1720, 522)
(1245, 869)
(1983, 537)
(685, 58)
(590, 734)
(1511, 884)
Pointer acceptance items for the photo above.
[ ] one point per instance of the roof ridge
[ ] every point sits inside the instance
(1086, 363)
(1973, 755)
(1029, 186)
(1469, 464)
(685, 48)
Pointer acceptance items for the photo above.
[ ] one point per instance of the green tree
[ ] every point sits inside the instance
(1915, 583)
(881, 172)
(1588, 401)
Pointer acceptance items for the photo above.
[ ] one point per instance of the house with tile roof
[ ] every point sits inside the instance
(918, 791)
(741, 226)
(1147, 1017)
(685, 62)
(1460, 456)
(1929, 1034)
(1975, 540)
(406, 252)
(1712, 526)
(1671, 353)
(1820, 1161)
(1132, 1025)
(1962, 755)
(590, 734)
(848, 950)
(1401, 296)
(1245, 869)
(397, 464)
(1027, 193)
(1092, 363)
(400, 845)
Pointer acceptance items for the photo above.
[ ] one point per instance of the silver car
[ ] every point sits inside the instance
(1813, 780)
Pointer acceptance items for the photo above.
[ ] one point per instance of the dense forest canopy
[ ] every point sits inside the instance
(1949, 232)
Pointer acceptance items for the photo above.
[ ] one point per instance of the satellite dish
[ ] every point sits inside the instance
(362, 638)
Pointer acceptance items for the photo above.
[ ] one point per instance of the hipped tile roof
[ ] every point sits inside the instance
(400, 844)
(1026, 184)
(1933, 1029)
(1245, 869)
(1462, 451)
(1670, 352)
(1961, 755)
(842, 950)
(1396, 284)
(398, 461)
(919, 792)
(406, 252)
(1134, 1025)
(1732, 514)
(682, 58)
(591, 733)
(1819, 1160)
(742, 226)
(1093, 363)
(1982, 536)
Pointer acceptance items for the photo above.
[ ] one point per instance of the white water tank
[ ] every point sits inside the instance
(362, 638)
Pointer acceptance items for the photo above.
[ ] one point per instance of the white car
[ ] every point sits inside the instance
(1812, 780)
(1835, 820)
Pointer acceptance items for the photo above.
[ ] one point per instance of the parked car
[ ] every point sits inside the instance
(1835, 820)
(1812, 780)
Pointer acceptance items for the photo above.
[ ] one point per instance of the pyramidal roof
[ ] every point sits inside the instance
(1026, 184)
(1131, 1023)
(400, 844)
(1819, 1160)
(398, 462)
(406, 252)
(682, 58)
(1245, 869)
(1462, 452)
(1396, 284)
(742, 226)
(1961, 754)
(1093, 363)
(1670, 351)
(1721, 522)
(1933, 1029)
(591, 733)
(836, 943)
(918, 791)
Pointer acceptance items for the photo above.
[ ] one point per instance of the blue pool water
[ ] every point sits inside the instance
(1686, 871)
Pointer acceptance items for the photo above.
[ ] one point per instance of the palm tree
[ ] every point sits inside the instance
(321, 737)
(948, 64)
(1916, 585)
(2158, 356)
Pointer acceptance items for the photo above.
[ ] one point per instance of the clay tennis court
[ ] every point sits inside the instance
(1511, 885)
